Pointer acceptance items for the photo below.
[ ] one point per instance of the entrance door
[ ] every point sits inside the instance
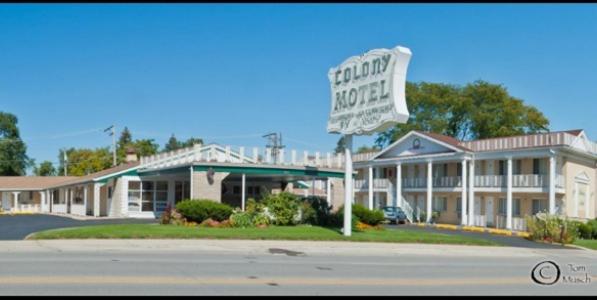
(477, 215)
(489, 210)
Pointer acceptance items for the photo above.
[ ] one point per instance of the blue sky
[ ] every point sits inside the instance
(231, 73)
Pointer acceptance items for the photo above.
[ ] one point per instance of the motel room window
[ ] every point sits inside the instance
(78, 197)
(458, 205)
(56, 197)
(440, 204)
(134, 196)
(502, 207)
(147, 194)
(539, 205)
(161, 195)
(516, 167)
(236, 190)
(182, 190)
(458, 169)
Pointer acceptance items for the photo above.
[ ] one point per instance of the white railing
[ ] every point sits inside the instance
(407, 209)
(490, 181)
(518, 223)
(59, 208)
(77, 209)
(529, 180)
(363, 156)
(417, 182)
(33, 208)
(450, 181)
(226, 154)
(378, 183)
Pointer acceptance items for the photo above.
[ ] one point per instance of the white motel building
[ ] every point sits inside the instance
(490, 183)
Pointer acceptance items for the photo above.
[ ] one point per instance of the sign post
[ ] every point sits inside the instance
(368, 96)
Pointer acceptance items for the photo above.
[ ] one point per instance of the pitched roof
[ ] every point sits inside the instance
(92, 176)
(31, 182)
(444, 138)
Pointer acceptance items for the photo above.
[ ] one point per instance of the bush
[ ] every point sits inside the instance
(203, 209)
(593, 225)
(371, 217)
(261, 219)
(585, 231)
(316, 211)
(283, 207)
(171, 216)
(241, 219)
(338, 219)
(551, 228)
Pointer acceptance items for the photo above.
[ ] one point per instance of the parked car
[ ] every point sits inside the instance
(394, 214)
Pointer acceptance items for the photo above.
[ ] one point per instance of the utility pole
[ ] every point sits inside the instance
(111, 129)
(65, 160)
(275, 144)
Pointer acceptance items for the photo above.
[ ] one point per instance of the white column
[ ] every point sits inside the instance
(398, 185)
(370, 183)
(191, 183)
(471, 193)
(429, 190)
(42, 205)
(552, 184)
(243, 192)
(463, 214)
(85, 200)
(16, 200)
(509, 195)
(348, 190)
(328, 190)
(96, 199)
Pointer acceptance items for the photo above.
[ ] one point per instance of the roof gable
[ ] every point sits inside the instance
(420, 143)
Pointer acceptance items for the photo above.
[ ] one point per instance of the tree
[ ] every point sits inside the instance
(145, 147)
(85, 161)
(125, 138)
(46, 168)
(192, 141)
(340, 146)
(172, 144)
(476, 111)
(13, 151)
(365, 149)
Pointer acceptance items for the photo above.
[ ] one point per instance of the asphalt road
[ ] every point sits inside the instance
(225, 267)
(17, 227)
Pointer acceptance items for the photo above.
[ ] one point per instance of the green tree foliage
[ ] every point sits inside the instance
(85, 161)
(341, 145)
(365, 149)
(477, 110)
(174, 144)
(46, 168)
(192, 141)
(125, 138)
(143, 147)
(13, 151)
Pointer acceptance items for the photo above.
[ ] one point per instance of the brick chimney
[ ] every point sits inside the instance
(131, 155)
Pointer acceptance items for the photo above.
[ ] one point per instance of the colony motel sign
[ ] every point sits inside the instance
(368, 95)
(368, 92)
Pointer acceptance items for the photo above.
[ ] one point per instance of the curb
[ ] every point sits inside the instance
(496, 231)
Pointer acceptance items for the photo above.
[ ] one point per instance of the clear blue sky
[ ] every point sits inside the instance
(230, 73)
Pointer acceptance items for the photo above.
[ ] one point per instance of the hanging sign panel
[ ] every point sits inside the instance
(368, 92)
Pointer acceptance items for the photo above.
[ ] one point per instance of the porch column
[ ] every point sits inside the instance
(243, 192)
(85, 200)
(96, 199)
(471, 193)
(16, 200)
(552, 184)
(42, 205)
(191, 184)
(463, 194)
(429, 190)
(328, 190)
(398, 185)
(509, 195)
(370, 187)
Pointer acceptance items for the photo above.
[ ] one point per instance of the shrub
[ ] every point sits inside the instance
(283, 207)
(171, 216)
(551, 228)
(203, 209)
(260, 220)
(338, 219)
(593, 225)
(371, 217)
(316, 211)
(585, 231)
(254, 207)
(241, 219)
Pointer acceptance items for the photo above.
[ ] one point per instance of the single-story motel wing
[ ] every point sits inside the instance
(490, 182)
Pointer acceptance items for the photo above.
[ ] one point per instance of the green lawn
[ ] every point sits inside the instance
(591, 244)
(155, 231)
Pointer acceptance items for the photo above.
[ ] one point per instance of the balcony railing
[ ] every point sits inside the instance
(526, 180)
(378, 183)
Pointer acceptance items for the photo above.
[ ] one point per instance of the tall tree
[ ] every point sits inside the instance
(192, 141)
(13, 151)
(46, 168)
(125, 138)
(172, 144)
(340, 145)
(475, 111)
(85, 161)
(145, 147)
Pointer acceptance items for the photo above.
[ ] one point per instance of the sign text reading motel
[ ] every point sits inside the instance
(368, 92)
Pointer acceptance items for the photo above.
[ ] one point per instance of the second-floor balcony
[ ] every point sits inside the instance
(481, 181)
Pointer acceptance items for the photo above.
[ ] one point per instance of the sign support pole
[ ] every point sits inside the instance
(347, 185)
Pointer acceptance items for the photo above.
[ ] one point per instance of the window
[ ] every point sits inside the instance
(539, 205)
(440, 204)
(147, 194)
(182, 190)
(517, 167)
(459, 205)
(78, 196)
(536, 167)
(236, 190)
(134, 196)
(516, 207)
(56, 197)
(502, 207)
(161, 195)
(502, 168)
(458, 169)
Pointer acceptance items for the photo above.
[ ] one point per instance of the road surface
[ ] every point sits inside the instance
(230, 267)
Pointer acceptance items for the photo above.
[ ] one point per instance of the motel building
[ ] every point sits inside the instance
(144, 188)
(490, 183)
